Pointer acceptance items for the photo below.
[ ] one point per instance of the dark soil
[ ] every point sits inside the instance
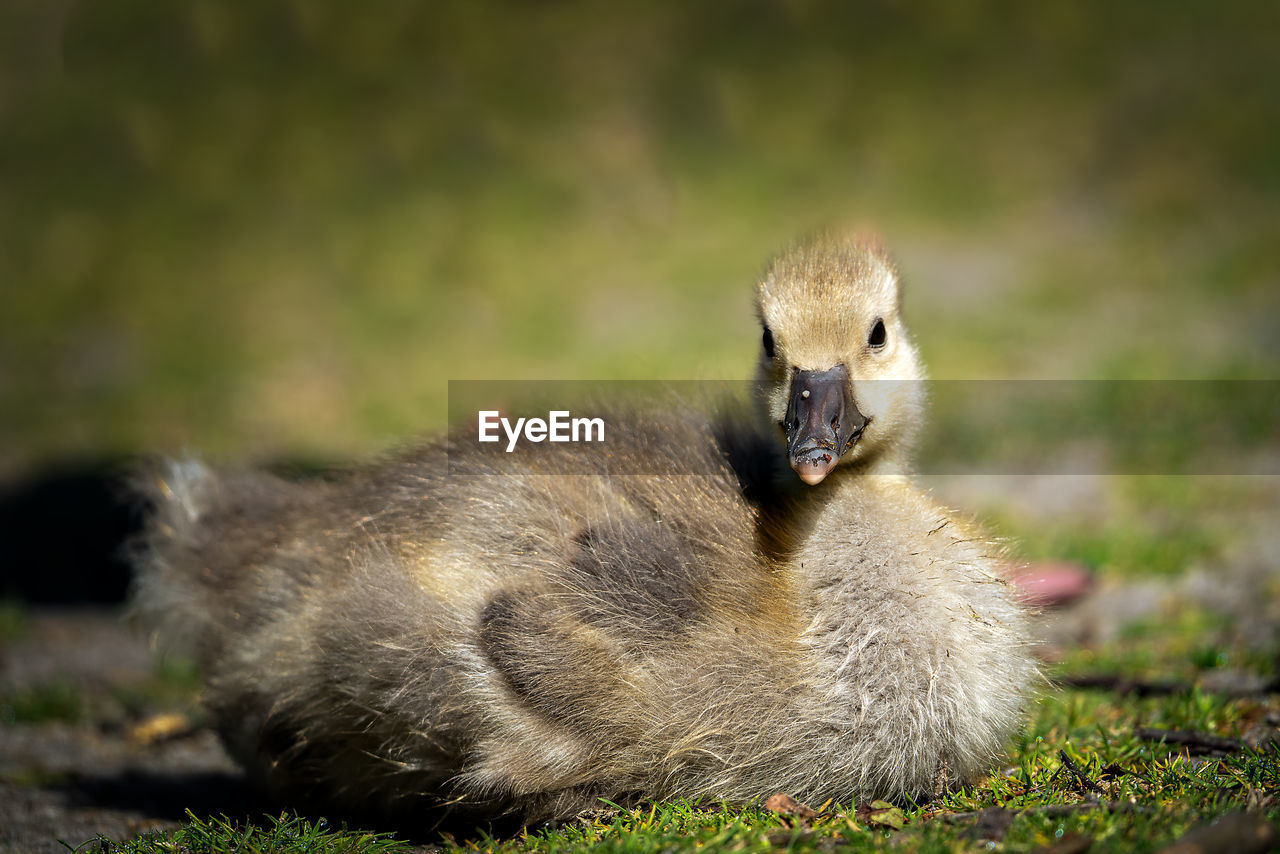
(82, 771)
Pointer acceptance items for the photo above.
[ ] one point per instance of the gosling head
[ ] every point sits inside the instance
(837, 370)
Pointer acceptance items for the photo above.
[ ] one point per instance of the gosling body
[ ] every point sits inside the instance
(404, 639)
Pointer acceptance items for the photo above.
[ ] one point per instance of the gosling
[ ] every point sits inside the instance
(406, 641)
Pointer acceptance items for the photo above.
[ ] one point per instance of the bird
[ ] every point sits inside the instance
(776, 607)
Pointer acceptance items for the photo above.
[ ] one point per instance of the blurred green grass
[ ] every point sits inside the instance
(278, 230)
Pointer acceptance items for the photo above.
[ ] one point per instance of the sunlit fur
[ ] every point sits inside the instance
(405, 639)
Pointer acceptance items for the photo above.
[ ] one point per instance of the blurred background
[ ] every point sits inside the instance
(275, 231)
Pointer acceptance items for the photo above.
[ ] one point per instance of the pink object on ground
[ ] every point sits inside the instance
(1050, 583)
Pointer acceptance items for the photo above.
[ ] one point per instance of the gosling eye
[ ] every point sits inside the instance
(877, 337)
(768, 342)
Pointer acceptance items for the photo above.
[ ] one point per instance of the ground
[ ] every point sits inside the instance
(99, 740)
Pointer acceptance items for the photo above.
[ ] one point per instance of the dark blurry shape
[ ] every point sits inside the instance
(992, 825)
(63, 532)
(1123, 685)
(1239, 832)
(1195, 742)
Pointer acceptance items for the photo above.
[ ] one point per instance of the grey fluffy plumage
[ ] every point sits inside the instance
(398, 638)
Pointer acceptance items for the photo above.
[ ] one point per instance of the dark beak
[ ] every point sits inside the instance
(822, 423)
